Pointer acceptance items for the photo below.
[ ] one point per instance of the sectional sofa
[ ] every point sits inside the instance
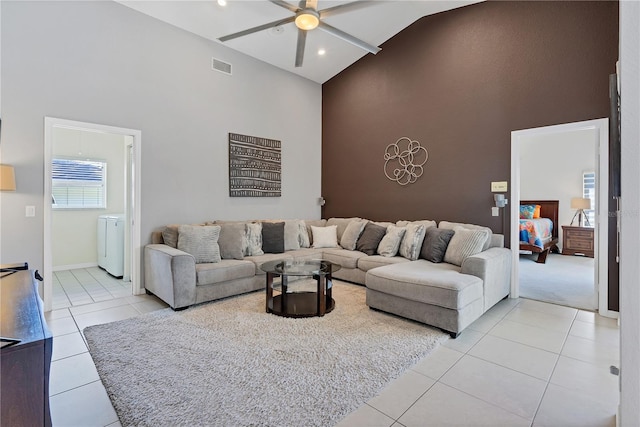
(445, 275)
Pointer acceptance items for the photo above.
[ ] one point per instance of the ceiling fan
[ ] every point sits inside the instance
(307, 17)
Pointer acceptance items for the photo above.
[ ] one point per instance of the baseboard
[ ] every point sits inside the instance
(75, 266)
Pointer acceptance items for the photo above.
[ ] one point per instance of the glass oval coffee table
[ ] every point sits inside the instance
(299, 303)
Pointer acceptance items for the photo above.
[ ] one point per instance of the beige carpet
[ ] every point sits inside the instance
(565, 280)
(229, 363)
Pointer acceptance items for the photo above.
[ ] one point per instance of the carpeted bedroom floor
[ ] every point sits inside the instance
(564, 280)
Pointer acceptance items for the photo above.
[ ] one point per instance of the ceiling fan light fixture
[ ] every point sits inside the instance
(307, 19)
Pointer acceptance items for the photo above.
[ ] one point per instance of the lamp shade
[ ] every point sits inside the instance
(7, 178)
(580, 203)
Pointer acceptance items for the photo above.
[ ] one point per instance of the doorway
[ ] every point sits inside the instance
(90, 170)
(598, 129)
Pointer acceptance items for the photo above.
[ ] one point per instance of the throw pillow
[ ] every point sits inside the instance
(303, 235)
(291, 238)
(391, 241)
(370, 238)
(200, 241)
(341, 224)
(252, 239)
(526, 211)
(170, 235)
(412, 241)
(351, 234)
(464, 244)
(536, 211)
(325, 237)
(230, 240)
(315, 223)
(273, 237)
(452, 225)
(436, 241)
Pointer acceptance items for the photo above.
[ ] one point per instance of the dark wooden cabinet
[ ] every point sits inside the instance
(577, 240)
(25, 365)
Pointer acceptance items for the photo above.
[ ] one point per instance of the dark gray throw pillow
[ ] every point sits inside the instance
(273, 237)
(435, 244)
(370, 238)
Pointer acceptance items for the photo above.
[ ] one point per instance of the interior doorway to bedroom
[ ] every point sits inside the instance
(562, 163)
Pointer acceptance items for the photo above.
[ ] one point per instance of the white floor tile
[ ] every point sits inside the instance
(438, 362)
(503, 307)
(400, 394)
(84, 406)
(485, 323)
(566, 408)
(597, 332)
(591, 317)
(467, 339)
(105, 316)
(445, 406)
(557, 310)
(591, 380)
(366, 416)
(540, 319)
(68, 345)
(519, 357)
(57, 314)
(512, 391)
(529, 335)
(71, 372)
(591, 351)
(149, 306)
(97, 306)
(62, 326)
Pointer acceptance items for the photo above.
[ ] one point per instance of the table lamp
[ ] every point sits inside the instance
(580, 204)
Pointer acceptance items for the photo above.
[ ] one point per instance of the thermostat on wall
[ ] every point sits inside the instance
(499, 187)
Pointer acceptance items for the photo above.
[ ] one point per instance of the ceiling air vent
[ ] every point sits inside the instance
(221, 66)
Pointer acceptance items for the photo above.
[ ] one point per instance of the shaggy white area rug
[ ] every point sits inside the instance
(229, 363)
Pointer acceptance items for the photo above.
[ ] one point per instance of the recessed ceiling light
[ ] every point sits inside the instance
(222, 2)
(321, 52)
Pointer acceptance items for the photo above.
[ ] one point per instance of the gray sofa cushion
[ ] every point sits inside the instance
(228, 269)
(315, 223)
(200, 241)
(291, 235)
(343, 257)
(422, 281)
(368, 262)
(463, 244)
(370, 238)
(341, 224)
(273, 237)
(230, 240)
(170, 235)
(351, 234)
(436, 241)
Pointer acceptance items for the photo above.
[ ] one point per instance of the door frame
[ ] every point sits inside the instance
(601, 126)
(134, 186)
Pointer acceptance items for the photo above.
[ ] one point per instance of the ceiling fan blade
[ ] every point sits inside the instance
(258, 28)
(286, 5)
(302, 40)
(345, 8)
(348, 38)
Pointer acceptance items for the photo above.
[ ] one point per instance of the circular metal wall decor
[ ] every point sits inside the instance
(404, 161)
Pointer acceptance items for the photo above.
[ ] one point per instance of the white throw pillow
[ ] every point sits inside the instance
(252, 239)
(325, 237)
(412, 241)
(391, 241)
(464, 243)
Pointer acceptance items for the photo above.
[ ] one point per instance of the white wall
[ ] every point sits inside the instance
(101, 62)
(630, 214)
(551, 168)
(74, 231)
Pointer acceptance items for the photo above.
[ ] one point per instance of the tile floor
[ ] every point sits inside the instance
(524, 363)
(85, 286)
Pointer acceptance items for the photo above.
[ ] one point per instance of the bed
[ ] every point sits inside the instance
(540, 235)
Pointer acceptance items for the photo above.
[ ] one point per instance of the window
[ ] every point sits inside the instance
(79, 184)
(589, 192)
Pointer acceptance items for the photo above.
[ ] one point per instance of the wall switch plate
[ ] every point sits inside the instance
(30, 211)
(499, 187)
(495, 211)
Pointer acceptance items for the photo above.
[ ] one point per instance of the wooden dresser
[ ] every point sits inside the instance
(25, 365)
(577, 240)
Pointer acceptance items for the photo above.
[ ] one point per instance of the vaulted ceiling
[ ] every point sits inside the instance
(374, 24)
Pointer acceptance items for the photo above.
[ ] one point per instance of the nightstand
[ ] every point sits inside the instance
(577, 240)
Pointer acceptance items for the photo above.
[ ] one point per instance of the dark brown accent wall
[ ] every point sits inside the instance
(459, 82)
